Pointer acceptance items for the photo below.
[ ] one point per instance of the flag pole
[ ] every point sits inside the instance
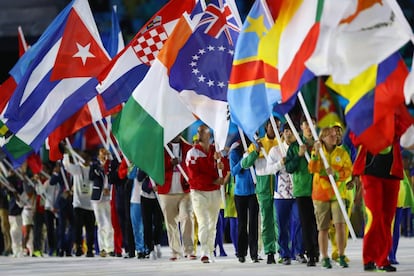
(244, 143)
(262, 149)
(77, 157)
(220, 173)
(180, 168)
(296, 134)
(21, 36)
(326, 164)
(277, 134)
(110, 142)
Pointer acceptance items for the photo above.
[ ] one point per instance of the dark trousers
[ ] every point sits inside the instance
(309, 228)
(247, 212)
(50, 220)
(84, 218)
(65, 229)
(129, 232)
(152, 219)
(38, 222)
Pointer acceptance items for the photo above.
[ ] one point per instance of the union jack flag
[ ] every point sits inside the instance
(218, 21)
(202, 68)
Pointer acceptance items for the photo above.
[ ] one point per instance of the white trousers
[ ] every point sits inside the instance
(102, 210)
(16, 235)
(206, 206)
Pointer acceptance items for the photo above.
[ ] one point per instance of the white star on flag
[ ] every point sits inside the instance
(83, 52)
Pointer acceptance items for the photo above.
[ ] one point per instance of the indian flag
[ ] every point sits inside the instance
(154, 114)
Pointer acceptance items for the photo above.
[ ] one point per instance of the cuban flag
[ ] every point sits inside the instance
(55, 78)
(202, 68)
(95, 109)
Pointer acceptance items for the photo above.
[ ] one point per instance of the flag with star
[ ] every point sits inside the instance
(251, 94)
(154, 114)
(327, 112)
(202, 68)
(95, 109)
(59, 79)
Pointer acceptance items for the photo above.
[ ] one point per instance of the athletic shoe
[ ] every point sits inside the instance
(191, 257)
(205, 260)
(311, 261)
(326, 263)
(387, 268)
(342, 261)
(370, 266)
(242, 259)
(300, 258)
(158, 250)
(271, 259)
(78, 252)
(37, 253)
(103, 253)
(286, 261)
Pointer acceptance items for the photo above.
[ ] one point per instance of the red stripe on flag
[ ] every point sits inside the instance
(290, 81)
(6, 90)
(248, 71)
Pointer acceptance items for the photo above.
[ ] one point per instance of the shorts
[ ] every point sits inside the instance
(27, 216)
(327, 212)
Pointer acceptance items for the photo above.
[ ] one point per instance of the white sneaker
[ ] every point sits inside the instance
(153, 255)
(158, 250)
(212, 257)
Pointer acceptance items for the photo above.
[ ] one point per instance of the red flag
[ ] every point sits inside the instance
(94, 111)
(22, 42)
(85, 58)
(327, 113)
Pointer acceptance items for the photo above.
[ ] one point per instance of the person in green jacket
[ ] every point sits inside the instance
(297, 165)
(264, 189)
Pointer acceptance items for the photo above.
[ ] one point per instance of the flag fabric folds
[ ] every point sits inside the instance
(327, 112)
(202, 68)
(12, 143)
(297, 31)
(130, 66)
(249, 103)
(154, 114)
(58, 81)
(95, 109)
(374, 98)
(355, 35)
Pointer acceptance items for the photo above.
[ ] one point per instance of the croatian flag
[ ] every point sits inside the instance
(129, 67)
(59, 79)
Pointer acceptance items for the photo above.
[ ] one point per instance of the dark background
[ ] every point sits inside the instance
(35, 15)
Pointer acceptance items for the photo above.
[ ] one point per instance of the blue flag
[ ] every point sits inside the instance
(202, 68)
(56, 78)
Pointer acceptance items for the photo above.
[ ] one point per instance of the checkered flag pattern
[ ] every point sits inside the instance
(150, 43)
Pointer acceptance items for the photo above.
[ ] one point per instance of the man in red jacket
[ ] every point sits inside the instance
(175, 201)
(203, 171)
